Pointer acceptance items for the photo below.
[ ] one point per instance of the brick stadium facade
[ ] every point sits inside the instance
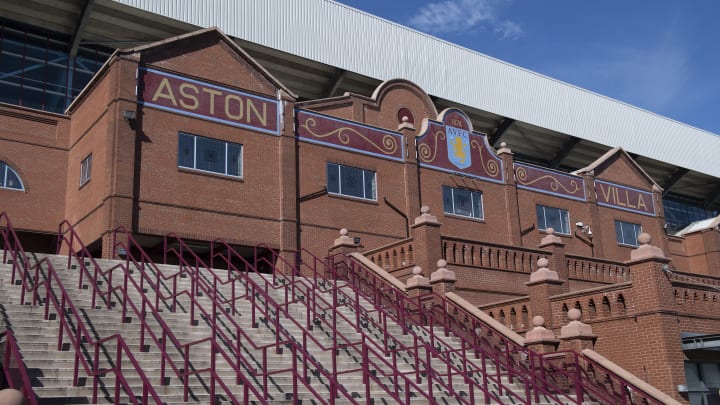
(192, 136)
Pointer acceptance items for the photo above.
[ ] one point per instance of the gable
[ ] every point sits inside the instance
(616, 166)
(208, 56)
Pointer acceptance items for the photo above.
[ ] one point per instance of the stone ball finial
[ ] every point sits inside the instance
(550, 231)
(405, 118)
(442, 263)
(503, 144)
(343, 232)
(424, 209)
(574, 314)
(543, 262)
(644, 238)
(417, 270)
(538, 321)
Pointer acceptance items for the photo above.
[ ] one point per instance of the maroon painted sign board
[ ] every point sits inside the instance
(342, 134)
(624, 198)
(195, 98)
(549, 182)
(451, 145)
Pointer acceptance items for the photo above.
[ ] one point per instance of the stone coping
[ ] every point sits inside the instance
(379, 271)
(629, 377)
(483, 316)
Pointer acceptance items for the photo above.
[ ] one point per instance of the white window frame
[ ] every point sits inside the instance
(472, 203)
(564, 219)
(620, 237)
(5, 169)
(85, 169)
(226, 144)
(365, 173)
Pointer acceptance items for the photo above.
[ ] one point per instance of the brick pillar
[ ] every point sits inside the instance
(576, 335)
(344, 244)
(511, 195)
(442, 280)
(428, 245)
(656, 316)
(411, 169)
(543, 284)
(556, 249)
(651, 286)
(540, 339)
(597, 249)
(417, 285)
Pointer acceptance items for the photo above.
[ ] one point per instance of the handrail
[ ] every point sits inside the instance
(507, 361)
(576, 368)
(278, 309)
(633, 383)
(147, 305)
(12, 353)
(372, 353)
(73, 325)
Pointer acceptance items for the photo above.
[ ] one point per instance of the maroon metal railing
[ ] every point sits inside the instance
(42, 274)
(15, 377)
(263, 306)
(381, 358)
(260, 301)
(165, 341)
(571, 377)
(479, 368)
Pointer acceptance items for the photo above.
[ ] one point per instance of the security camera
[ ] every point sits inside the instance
(579, 224)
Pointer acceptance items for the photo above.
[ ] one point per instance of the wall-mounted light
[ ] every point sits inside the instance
(129, 115)
(584, 228)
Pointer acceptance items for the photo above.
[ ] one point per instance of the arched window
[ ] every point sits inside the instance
(9, 178)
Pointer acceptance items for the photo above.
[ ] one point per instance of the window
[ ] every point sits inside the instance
(555, 218)
(466, 203)
(38, 70)
(85, 169)
(9, 178)
(351, 181)
(209, 155)
(627, 233)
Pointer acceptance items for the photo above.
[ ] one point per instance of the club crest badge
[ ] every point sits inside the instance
(458, 146)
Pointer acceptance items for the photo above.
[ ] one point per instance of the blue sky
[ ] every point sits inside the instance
(660, 55)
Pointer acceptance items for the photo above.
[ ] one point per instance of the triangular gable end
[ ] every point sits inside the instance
(211, 55)
(617, 166)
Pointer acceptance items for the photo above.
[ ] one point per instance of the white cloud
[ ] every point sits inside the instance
(456, 16)
(508, 30)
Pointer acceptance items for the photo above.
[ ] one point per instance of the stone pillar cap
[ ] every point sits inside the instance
(442, 273)
(417, 280)
(575, 328)
(539, 333)
(406, 124)
(504, 149)
(551, 238)
(425, 217)
(344, 240)
(646, 251)
(543, 273)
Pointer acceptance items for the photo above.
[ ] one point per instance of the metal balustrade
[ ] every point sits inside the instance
(31, 278)
(374, 354)
(364, 316)
(15, 377)
(568, 377)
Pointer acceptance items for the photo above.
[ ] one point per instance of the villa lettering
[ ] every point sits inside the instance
(617, 196)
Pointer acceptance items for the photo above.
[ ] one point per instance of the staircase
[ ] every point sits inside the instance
(130, 331)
